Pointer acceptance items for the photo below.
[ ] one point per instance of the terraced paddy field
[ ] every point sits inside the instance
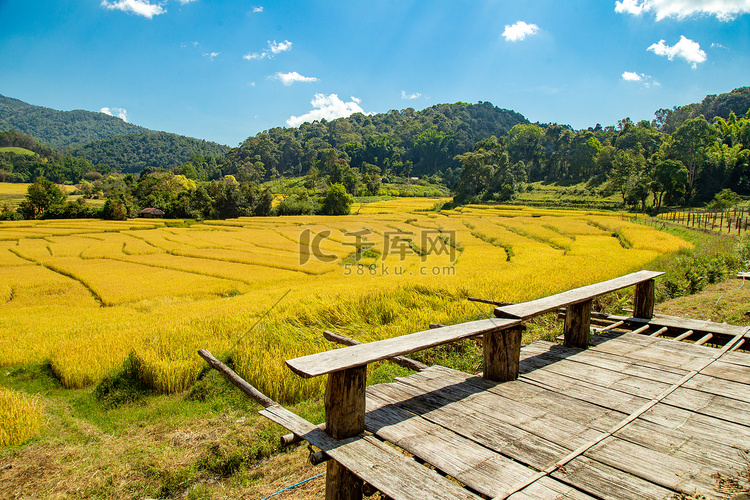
(86, 294)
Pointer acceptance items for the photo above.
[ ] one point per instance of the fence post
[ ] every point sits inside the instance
(345, 417)
(577, 329)
(643, 301)
(502, 352)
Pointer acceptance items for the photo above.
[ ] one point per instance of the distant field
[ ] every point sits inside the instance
(18, 151)
(12, 193)
(574, 195)
(161, 292)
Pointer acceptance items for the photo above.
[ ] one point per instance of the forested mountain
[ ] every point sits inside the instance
(45, 162)
(405, 142)
(132, 153)
(712, 106)
(59, 129)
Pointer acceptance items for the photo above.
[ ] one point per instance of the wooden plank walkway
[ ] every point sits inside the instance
(632, 417)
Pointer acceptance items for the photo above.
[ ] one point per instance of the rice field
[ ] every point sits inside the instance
(83, 295)
(20, 417)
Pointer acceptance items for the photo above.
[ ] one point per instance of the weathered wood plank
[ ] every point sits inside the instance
(637, 386)
(676, 322)
(713, 405)
(380, 465)
(587, 392)
(608, 483)
(685, 446)
(699, 425)
(533, 308)
(614, 360)
(484, 426)
(658, 353)
(525, 406)
(722, 387)
(411, 364)
(547, 488)
(738, 358)
(473, 464)
(728, 371)
(314, 365)
(659, 468)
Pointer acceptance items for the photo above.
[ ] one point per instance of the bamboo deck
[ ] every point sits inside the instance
(632, 417)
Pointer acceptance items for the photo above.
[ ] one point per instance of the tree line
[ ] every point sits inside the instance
(639, 161)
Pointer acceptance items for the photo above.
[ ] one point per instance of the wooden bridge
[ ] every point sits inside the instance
(626, 413)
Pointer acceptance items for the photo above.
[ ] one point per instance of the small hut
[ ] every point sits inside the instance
(151, 213)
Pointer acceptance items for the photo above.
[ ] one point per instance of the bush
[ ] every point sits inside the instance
(337, 201)
(298, 205)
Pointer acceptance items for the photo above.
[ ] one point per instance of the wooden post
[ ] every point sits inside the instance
(502, 352)
(577, 328)
(643, 301)
(345, 417)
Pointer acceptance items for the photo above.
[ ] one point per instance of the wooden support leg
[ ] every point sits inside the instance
(502, 351)
(643, 302)
(345, 417)
(578, 325)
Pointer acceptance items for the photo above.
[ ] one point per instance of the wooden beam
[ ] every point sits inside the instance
(643, 300)
(360, 355)
(399, 360)
(684, 335)
(345, 417)
(502, 351)
(242, 384)
(704, 339)
(659, 331)
(577, 328)
(527, 310)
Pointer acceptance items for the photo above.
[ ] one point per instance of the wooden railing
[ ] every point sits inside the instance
(734, 220)
(347, 367)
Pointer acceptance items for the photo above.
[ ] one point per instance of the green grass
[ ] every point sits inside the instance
(568, 195)
(18, 151)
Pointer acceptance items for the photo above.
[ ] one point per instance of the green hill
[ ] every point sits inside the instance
(737, 101)
(59, 129)
(18, 151)
(134, 152)
(404, 143)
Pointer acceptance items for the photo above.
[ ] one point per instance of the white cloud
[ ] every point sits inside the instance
(139, 7)
(211, 55)
(273, 49)
(277, 48)
(685, 49)
(120, 113)
(518, 31)
(185, 2)
(258, 9)
(631, 76)
(292, 77)
(630, 7)
(645, 80)
(415, 95)
(724, 10)
(329, 107)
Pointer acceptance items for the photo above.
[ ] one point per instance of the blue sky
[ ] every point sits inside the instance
(223, 71)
